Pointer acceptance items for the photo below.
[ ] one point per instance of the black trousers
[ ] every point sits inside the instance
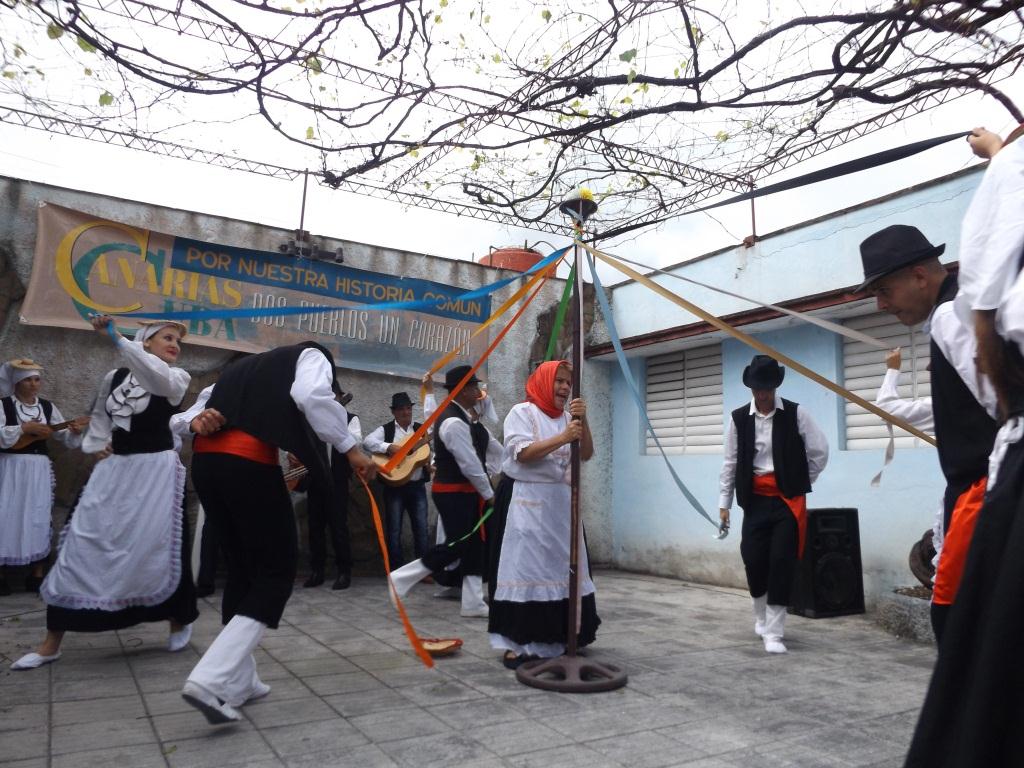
(249, 505)
(209, 549)
(325, 518)
(459, 512)
(769, 548)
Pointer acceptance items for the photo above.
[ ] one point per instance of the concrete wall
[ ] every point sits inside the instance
(653, 528)
(76, 360)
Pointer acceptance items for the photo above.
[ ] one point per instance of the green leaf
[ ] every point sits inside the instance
(87, 71)
(414, 152)
(444, 3)
(437, 18)
(10, 74)
(722, 136)
(18, 51)
(631, 77)
(54, 30)
(487, 19)
(310, 133)
(496, 58)
(106, 99)
(85, 45)
(628, 56)
(626, 100)
(546, 15)
(312, 63)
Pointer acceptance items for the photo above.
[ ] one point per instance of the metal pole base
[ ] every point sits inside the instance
(571, 674)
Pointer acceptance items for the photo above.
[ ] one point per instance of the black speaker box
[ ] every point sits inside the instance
(829, 579)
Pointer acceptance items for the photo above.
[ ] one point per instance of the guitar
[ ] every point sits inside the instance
(27, 440)
(418, 457)
(295, 472)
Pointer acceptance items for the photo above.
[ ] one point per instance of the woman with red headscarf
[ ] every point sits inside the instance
(530, 581)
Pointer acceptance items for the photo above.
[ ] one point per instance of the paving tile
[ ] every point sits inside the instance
(367, 702)
(138, 756)
(515, 737)
(567, 756)
(366, 756)
(16, 717)
(267, 714)
(394, 724)
(221, 745)
(91, 711)
(101, 734)
(307, 738)
(182, 726)
(22, 744)
(440, 751)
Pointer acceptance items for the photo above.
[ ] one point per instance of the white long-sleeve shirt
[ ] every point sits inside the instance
(153, 375)
(959, 346)
(455, 435)
(815, 445)
(915, 411)
(375, 443)
(312, 394)
(9, 435)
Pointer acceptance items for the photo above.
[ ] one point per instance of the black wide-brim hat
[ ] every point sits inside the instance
(763, 373)
(400, 400)
(893, 248)
(453, 376)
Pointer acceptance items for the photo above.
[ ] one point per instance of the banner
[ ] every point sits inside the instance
(85, 265)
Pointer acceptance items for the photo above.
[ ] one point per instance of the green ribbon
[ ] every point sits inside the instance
(563, 307)
(481, 521)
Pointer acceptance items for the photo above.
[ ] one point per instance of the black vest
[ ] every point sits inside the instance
(11, 420)
(254, 395)
(963, 429)
(788, 453)
(151, 429)
(391, 427)
(446, 468)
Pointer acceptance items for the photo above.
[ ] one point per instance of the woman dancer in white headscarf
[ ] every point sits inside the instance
(26, 475)
(123, 556)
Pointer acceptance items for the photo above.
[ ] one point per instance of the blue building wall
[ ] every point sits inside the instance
(653, 528)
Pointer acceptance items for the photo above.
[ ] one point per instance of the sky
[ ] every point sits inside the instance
(94, 167)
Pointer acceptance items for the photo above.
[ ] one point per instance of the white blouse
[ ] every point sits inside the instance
(9, 435)
(525, 425)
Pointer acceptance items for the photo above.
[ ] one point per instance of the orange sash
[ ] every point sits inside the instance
(957, 542)
(237, 443)
(765, 485)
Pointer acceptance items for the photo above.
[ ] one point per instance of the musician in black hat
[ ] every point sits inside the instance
(409, 498)
(465, 454)
(773, 454)
(902, 271)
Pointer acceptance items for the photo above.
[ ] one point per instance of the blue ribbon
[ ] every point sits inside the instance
(225, 314)
(627, 374)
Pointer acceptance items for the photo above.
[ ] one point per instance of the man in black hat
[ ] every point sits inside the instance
(903, 273)
(465, 454)
(410, 497)
(773, 454)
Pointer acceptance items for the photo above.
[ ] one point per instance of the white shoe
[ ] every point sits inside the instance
(259, 690)
(774, 628)
(34, 660)
(475, 613)
(214, 710)
(774, 644)
(179, 640)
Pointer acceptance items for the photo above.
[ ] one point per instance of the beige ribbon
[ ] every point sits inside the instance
(758, 345)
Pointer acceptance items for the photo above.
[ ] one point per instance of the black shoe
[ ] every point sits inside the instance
(32, 583)
(511, 661)
(205, 590)
(5, 588)
(344, 581)
(316, 578)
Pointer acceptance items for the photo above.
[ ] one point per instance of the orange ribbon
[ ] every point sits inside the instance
(407, 446)
(957, 541)
(765, 485)
(414, 639)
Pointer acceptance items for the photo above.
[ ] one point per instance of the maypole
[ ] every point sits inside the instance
(571, 673)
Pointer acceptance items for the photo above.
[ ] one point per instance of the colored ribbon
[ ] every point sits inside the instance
(760, 346)
(410, 632)
(634, 390)
(828, 325)
(428, 423)
(563, 306)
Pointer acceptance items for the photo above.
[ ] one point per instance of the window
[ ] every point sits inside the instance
(863, 371)
(684, 400)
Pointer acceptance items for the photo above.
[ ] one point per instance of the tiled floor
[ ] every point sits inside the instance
(347, 691)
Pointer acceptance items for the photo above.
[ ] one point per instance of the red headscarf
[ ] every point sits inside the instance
(540, 387)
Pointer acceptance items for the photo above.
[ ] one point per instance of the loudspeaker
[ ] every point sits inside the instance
(829, 580)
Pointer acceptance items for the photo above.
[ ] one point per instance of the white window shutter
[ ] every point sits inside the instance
(684, 400)
(863, 371)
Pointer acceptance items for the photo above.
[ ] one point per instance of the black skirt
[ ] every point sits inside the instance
(180, 607)
(535, 621)
(974, 708)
